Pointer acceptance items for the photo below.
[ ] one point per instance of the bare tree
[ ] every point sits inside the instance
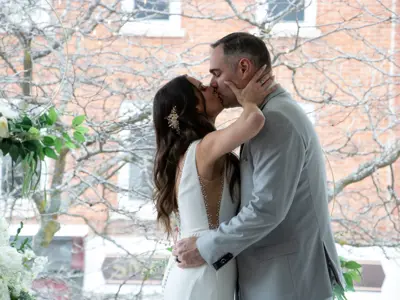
(76, 56)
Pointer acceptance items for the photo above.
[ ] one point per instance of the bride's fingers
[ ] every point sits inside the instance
(267, 83)
(271, 89)
(259, 74)
(265, 78)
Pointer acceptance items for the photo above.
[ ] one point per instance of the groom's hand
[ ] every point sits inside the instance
(187, 254)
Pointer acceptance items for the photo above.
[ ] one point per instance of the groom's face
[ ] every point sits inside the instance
(222, 69)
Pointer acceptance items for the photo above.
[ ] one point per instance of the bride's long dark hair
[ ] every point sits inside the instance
(171, 145)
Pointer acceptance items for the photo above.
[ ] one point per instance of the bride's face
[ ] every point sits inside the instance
(212, 103)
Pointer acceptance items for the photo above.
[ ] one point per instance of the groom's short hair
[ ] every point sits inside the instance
(242, 44)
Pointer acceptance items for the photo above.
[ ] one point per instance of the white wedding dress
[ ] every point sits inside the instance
(196, 215)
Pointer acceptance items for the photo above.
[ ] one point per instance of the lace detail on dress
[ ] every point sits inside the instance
(211, 224)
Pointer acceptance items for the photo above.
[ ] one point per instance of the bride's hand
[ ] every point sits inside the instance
(259, 87)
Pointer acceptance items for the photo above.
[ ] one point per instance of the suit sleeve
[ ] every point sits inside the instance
(277, 154)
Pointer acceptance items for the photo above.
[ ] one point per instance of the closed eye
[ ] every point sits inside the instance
(215, 73)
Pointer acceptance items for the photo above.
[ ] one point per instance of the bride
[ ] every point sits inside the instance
(196, 174)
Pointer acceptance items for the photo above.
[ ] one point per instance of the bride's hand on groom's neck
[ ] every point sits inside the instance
(259, 87)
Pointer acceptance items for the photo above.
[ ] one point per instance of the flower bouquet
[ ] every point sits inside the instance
(19, 266)
(28, 140)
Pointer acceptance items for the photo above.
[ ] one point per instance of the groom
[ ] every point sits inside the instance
(281, 237)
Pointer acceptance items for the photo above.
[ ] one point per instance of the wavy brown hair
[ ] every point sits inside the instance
(171, 145)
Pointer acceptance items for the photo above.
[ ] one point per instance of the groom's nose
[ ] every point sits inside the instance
(213, 83)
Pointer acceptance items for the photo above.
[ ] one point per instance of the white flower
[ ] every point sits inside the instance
(4, 236)
(6, 110)
(10, 262)
(4, 133)
(4, 294)
(29, 255)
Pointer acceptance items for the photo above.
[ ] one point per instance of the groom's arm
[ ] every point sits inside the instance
(278, 154)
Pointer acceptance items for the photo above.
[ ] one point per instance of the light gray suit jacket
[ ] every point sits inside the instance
(282, 236)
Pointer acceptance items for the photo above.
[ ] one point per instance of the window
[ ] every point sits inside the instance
(293, 10)
(152, 18)
(157, 5)
(135, 177)
(289, 17)
(372, 276)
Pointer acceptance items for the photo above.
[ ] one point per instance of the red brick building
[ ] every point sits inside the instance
(339, 59)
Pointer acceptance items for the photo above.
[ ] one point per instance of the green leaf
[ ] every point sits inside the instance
(48, 141)
(352, 265)
(338, 292)
(41, 154)
(5, 146)
(79, 137)
(50, 153)
(31, 146)
(26, 121)
(169, 249)
(78, 120)
(52, 116)
(355, 275)
(14, 153)
(70, 145)
(58, 144)
(82, 129)
(66, 137)
(349, 281)
(34, 131)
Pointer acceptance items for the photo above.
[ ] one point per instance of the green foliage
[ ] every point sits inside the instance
(351, 274)
(22, 296)
(25, 243)
(32, 139)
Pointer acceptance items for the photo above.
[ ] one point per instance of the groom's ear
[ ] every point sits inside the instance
(245, 68)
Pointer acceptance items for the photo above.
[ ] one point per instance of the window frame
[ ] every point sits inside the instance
(154, 28)
(143, 207)
(306, 28)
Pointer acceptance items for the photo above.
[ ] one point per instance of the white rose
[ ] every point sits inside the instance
(4, 133)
